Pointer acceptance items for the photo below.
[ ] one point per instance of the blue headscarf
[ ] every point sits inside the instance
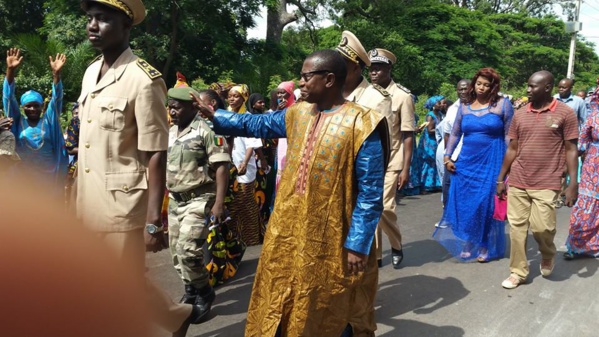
(430, 103)
(31, 96)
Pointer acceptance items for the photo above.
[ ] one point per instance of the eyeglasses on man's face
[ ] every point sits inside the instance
(307, 76)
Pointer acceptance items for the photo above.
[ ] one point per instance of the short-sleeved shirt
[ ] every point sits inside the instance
(191, 154)
(541, 136)
(447, 125)
(241, 144)
(578, 105)
(123, 117)
(402, 120)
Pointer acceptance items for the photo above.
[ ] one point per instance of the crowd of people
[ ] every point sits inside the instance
(314, 179)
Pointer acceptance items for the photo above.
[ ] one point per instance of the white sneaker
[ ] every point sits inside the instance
(512, 282)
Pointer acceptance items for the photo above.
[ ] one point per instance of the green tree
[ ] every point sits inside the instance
(280, 14)
(438, 43)
(528, 7)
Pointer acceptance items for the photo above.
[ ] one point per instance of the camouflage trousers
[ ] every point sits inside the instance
(187, 233)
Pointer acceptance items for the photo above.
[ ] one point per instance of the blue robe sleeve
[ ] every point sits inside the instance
(11, 105)
(268, 126)
(52, 117)
(370, 173)
(55, 105)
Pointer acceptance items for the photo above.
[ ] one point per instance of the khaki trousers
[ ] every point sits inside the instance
(388, 222)
(130, 246)
(534, 209)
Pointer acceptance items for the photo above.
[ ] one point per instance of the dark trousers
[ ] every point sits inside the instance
(445, 186)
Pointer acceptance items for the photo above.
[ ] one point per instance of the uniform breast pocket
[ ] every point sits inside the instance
(112, 113)
(195, 151)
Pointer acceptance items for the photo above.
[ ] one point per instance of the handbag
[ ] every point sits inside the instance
(500, 212)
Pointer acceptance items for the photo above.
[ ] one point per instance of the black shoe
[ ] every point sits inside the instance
(204, 301)
(396, 257)
(348, 332)
(380, 263)
(190, 296)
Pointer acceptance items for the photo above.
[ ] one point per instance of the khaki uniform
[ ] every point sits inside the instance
(373, 97)
(122, 116)
(402, 119)
(191, 154)
(377, 98)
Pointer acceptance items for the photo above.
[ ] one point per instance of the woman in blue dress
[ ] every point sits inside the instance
(38, 133)
(427, 146)
(413, 186)
(469, 229)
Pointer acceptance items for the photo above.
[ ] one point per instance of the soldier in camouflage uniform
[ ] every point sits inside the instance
(197, 180)
(8, 155)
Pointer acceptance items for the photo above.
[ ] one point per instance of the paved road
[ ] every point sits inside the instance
(433, 294)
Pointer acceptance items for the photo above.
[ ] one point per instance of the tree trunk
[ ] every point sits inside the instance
(276, 19)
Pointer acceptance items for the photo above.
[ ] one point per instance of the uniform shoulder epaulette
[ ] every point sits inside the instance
(148, 69)
(97, 58)
(381, 90)
(403, 88)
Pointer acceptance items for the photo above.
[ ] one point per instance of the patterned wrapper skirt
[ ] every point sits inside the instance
(225, 252)
(246, 214)
(583, 237)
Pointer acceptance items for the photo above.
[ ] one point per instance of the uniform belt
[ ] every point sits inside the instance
(190, 194)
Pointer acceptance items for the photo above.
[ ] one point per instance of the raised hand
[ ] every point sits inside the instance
(282, 104)
(13, 58)
(57, 63)
(5, 123)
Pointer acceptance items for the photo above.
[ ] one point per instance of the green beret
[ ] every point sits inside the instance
(182, 93)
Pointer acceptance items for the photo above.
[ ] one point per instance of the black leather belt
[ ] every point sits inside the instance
(188, 195)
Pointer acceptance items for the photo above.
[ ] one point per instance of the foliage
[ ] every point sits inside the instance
(527, 7)
(437, 42)
(199, 84)
(449, 91)
(419, 108)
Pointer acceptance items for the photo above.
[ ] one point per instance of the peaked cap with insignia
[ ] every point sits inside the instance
(379, 55)
(134, 9)
(351, 48)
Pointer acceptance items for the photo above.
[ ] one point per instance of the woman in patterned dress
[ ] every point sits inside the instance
(583, 237)
(245, 210)
(427, 146)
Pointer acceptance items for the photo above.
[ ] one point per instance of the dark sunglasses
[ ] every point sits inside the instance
(307, 76)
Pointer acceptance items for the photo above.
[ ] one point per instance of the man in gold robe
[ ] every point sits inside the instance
(317, 274)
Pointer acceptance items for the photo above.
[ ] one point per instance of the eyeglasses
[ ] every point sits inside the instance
(307, 76)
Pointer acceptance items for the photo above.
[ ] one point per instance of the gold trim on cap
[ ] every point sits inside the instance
(119, 5)
(348, 52)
